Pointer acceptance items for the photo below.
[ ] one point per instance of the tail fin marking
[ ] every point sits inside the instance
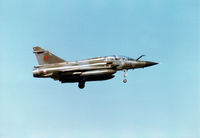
(45, 57)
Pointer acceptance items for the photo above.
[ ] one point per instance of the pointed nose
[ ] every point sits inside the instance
(149, 63)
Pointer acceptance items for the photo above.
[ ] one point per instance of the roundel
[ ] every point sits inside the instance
(46, 58)
(44, 71)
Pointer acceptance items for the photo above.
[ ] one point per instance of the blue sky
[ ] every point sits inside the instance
(157, 102)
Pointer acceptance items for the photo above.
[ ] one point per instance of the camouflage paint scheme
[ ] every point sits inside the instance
(93, 69)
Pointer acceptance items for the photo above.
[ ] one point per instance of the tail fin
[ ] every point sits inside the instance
(45, 57)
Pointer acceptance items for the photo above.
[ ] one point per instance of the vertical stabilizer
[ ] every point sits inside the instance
(45, 57)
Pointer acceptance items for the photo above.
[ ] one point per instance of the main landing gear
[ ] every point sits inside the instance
(125, 74)
(81, 84)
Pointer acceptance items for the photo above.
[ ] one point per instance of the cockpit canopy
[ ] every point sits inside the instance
(118, 57)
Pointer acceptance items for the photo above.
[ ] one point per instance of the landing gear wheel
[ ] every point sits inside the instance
(125, 74)
(81, 84)
(125, 80)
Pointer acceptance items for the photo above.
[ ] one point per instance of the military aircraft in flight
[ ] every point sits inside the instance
(93, 69)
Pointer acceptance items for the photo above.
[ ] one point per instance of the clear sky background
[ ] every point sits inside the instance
(161, 101)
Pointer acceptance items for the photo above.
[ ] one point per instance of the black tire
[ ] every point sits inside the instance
(125, 80)
(81, 84)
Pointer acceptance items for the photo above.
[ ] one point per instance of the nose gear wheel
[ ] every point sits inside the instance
(125, 74)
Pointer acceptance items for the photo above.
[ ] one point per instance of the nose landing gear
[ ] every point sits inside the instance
(125, 74)
(125, 80)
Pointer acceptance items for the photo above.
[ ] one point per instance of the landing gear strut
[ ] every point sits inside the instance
(81, 84)
(125, 74)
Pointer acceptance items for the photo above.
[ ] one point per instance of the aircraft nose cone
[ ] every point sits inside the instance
(149, 63)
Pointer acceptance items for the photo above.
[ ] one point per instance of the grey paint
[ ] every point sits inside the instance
(93, 69)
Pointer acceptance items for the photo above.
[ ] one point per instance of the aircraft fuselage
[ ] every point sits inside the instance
(93, 69)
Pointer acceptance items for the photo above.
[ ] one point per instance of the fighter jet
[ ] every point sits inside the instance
(81, 71)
